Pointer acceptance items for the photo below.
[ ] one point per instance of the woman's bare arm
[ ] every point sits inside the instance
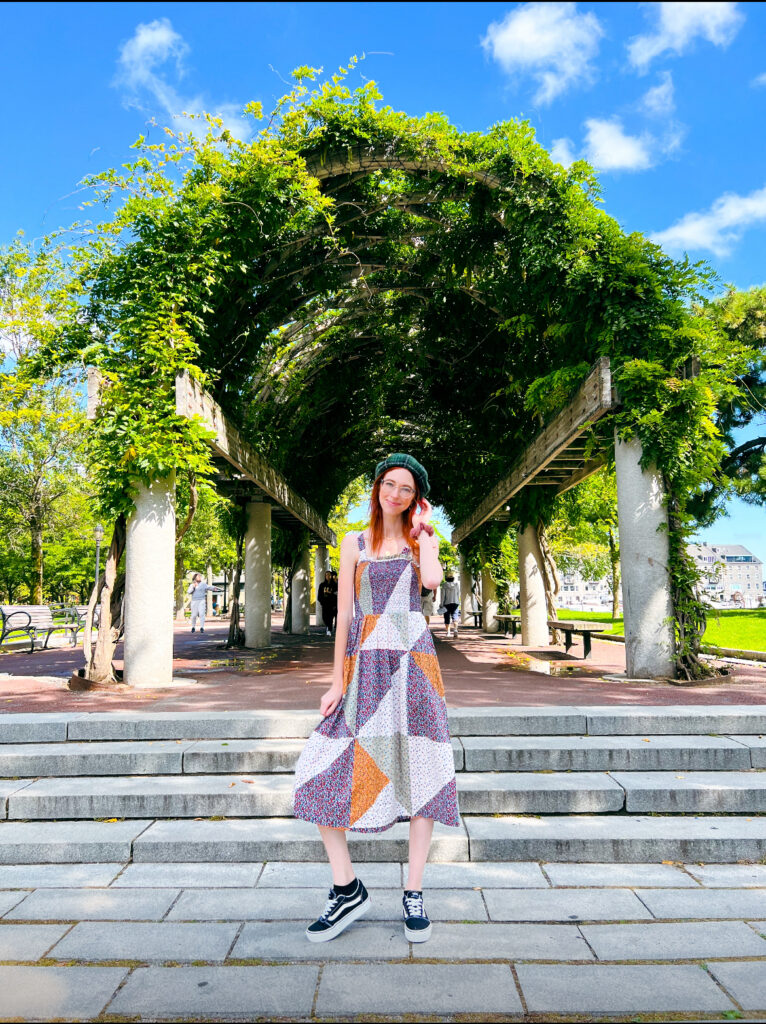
(431, 572)
(349, 556)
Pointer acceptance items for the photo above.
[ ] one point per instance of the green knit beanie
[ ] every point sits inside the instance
(403, 461)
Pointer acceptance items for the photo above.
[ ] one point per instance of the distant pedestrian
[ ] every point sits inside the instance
(427, 604)
(450, 603)
(198, 591)
(327, 596)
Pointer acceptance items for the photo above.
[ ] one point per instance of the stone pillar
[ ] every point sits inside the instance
(321, 565)
(646, 602)
(534, 614)
(488, 602)
(209, 594)
(301, 609)
(466, 606)
(258, 575)
(149, 573)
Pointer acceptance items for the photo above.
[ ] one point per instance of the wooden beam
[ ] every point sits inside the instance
(193, 401)
(582, 474)
(592, 401)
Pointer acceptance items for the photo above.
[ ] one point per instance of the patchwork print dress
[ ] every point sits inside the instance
(384, 755)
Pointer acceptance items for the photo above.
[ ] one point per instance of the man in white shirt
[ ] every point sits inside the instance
(198, 590)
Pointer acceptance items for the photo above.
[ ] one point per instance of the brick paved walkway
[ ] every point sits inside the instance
(511, 941)
(478, 669)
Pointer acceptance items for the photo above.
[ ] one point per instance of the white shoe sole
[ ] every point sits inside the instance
(336, 929)
(419, 935)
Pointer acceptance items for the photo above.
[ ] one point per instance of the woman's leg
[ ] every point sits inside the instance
(420, 842)
(335, 845)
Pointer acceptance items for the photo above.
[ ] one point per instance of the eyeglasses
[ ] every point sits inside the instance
(390, 488)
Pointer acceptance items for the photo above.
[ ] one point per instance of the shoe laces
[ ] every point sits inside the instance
(334, 900)
(413, 904)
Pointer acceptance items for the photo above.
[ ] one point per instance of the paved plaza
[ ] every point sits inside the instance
(511, 941)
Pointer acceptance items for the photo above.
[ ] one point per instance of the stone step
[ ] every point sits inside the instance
(270, 795)
(68, 842)
(610, 753)
(617, 838)
(689, 792)
(637, 720)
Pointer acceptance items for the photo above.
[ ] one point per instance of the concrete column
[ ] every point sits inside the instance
(258, 575)
(301, 609)
(149, 571)
(647, 607)
(321, 565)
(489, 602)
(466, 607)
(209, 595)
(534, 614)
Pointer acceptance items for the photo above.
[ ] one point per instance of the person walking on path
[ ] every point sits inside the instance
(427, 603)
(451, 601)
(382, 753)
(198, 591)
(327, 596)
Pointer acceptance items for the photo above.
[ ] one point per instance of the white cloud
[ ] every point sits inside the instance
(659, 101)
(717, 229)
(562, 152)
(679, 24)
(759, 80)
(609, 148)
(142, 70)
(552, 42)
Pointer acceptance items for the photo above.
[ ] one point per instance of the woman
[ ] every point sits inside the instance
(198, 592)
(328, 601)
(451, 600)
(383, 752)
(427, 604)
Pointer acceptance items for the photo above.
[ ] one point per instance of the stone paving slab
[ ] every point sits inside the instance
(603, 753)
(643, 720)
(745, 981)
(192, 725)
(159, 757)
(29, 941)
(280, 838)
(714, 875)
(188, 876)
(57, 993)
(37, 727)
(441, 905)
(443, 989)
(690, 940)
(704, 903)
(630, 875)
(94, 905)
(603, 988)
(515, 721)
(120, 940)
(62, 842)
(7, 788)
(157, 993)
(286, 940)
(617, 838)
(757, 747)
(504, 942)
(565, 905)
(469, 875)
(8, 900)
(530, 793)
(675, 792)
(46, 876)
(289, 874)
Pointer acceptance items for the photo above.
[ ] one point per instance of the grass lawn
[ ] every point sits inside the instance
(745, 629)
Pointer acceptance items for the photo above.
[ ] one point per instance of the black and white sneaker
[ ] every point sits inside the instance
(340, 912)
(417, 927)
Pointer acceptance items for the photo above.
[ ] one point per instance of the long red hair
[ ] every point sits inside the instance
(376, 517)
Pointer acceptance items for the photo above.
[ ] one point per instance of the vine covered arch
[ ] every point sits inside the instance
(355, 280)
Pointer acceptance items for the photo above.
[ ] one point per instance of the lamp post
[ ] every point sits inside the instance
(98, 536)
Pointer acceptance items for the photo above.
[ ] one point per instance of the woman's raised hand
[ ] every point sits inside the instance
(330, 701)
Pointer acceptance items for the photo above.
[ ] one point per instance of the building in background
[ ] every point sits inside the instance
(729, 573)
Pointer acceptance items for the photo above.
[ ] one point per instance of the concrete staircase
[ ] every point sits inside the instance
(604, 784)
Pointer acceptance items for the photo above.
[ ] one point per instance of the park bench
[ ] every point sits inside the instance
(511, 623)
(583, 629)
(34, 621)
(477, 618)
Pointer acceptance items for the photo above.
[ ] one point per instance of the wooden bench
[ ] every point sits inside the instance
(510, 622)
(583, 629)
(477, 618)
(34, 621)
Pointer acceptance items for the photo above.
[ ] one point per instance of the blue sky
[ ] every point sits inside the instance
(668, 100)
